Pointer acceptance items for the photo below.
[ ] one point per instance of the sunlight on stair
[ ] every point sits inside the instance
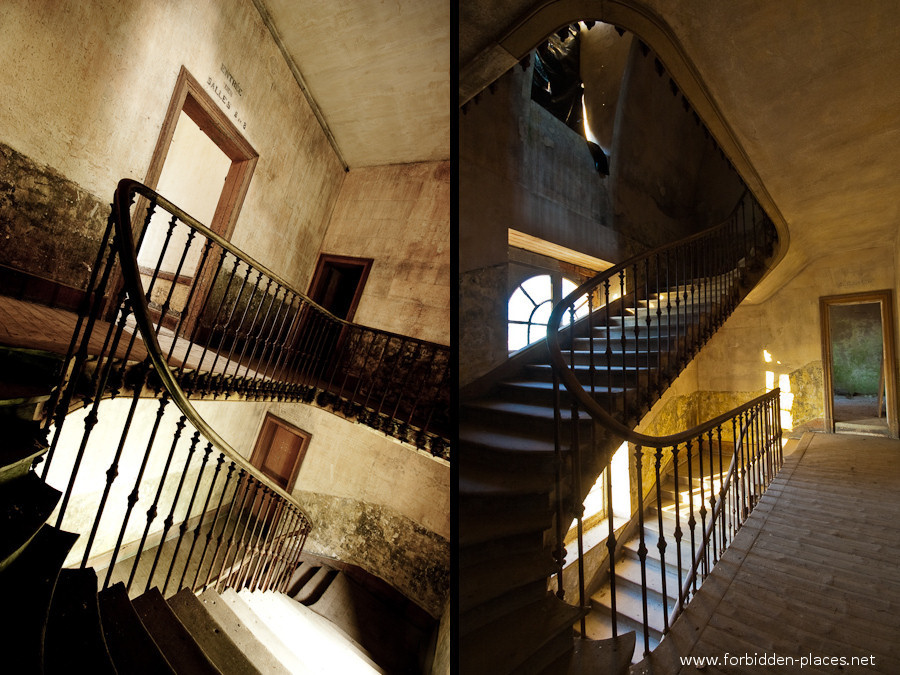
(313, 641)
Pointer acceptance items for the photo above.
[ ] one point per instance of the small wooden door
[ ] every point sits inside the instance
(279, 451)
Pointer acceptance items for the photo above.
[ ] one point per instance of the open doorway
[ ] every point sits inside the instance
(338, 282)
(858, 350)
(203, 165)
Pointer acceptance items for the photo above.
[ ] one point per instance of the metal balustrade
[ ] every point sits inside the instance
(181, 315)
(230, 327)
(648, 317)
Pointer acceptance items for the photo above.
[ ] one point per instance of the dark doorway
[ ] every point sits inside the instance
(338, 283)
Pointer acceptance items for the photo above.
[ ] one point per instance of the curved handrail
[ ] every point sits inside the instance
(568, 377)
(723, 489)
(392, 382)
(131, 276)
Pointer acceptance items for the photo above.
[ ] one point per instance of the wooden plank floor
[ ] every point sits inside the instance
(815, 571)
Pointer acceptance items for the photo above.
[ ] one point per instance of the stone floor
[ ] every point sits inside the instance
(813, 573)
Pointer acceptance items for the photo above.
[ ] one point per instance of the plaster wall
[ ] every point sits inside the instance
(519, 168)
(667, 177)
(351, 477)
(86, 88)
(399, 215)
(787, 327)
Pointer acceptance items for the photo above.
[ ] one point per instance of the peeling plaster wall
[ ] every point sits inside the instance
(375, 503)
(787, 325)
(86, 87)
(399, 215)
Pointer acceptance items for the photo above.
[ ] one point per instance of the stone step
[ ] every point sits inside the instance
(598, 626)
(523, 418)
(73, 626)
(488, 579)
(209, 635)
(174, 640)
(130, 645)
(25, 505)
(262, 633)
(245, 640)
(313, 589)
(26, 587)
(509, 642)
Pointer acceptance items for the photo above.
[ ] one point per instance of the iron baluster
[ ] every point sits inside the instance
(151, 512)
(133, 495)
(210, 532)
(661, 539)
(170, 519)
(204, 510)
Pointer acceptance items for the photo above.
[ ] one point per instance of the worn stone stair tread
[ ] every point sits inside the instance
(629, 569)
(503, 441)
(300, 576)
(384, 631)
(302, 619)
(546, 387)
(26, 587)
(131, 646)
(245, 639)
(589, 657)
(264, 633)
(23, 441)
(477, 528)
(475, 480)
(74, 626)
(212, 639)
(25, 505)
(488, 580)
(598, 626)
(631, 605)
(174, 640)
(503, 605)
(313, 589)
(497, 549)
(510, 641)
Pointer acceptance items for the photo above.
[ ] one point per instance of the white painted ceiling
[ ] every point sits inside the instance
(379, 71)
(811, 90)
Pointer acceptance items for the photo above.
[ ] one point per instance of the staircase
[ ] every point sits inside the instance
(232, 535)
(659, 518)
(333, 614)
(520, 476)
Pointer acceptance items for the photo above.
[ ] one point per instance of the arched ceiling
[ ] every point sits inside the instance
(807, 94)
(377, 70)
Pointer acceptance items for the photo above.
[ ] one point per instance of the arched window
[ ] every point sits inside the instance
(530, 306)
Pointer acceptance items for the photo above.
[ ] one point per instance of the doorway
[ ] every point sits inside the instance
(858, 357)
(279, 451)
(203, 165)
(338, 282)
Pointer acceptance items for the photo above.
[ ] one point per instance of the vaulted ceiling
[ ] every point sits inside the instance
(378, 71)
(804, 98)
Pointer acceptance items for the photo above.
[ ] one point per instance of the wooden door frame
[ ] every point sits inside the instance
(190, 97)
(258, 449)
(885, 299)
(319, 276)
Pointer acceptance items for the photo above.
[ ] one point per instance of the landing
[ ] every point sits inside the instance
(812, 574)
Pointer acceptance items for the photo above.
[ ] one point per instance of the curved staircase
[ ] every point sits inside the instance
(519, 475)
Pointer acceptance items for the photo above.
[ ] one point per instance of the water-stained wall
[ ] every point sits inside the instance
(86, 88)
(399, 215)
